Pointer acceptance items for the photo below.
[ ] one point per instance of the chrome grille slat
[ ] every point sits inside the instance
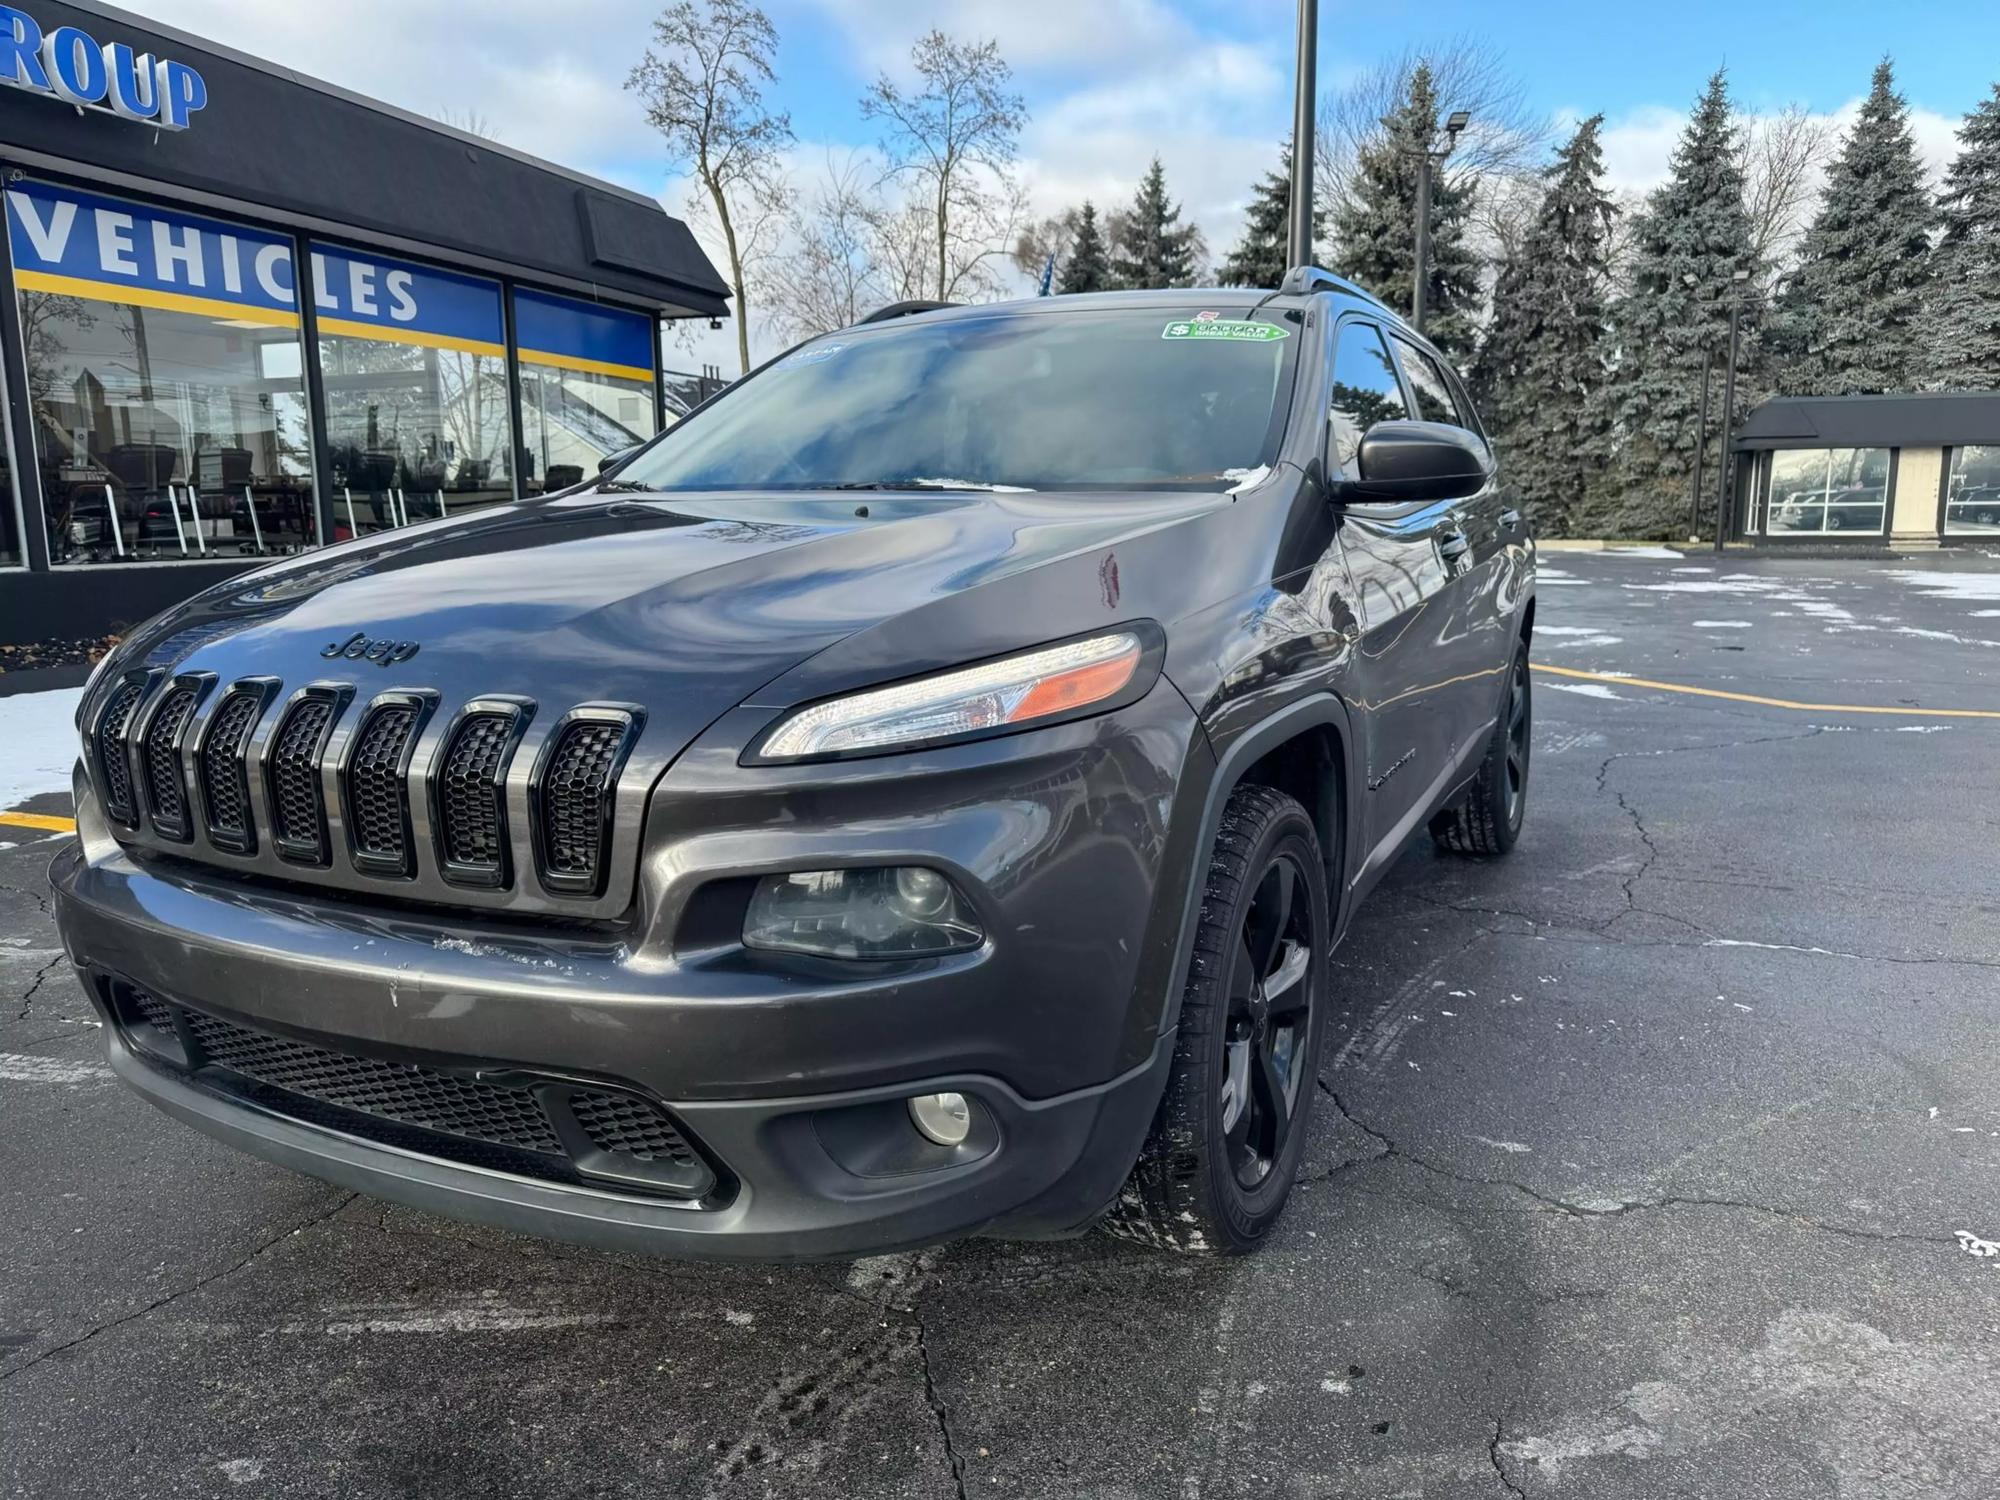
(225, 780)
(298, 808)
(166, 791)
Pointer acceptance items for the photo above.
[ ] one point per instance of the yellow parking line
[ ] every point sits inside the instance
(38, 820)
(1815, 708)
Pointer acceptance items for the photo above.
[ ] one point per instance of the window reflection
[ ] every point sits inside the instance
(1364, 391)
(1817, 490)
(1972, 491)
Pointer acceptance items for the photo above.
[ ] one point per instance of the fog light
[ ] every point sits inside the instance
(944, 1118)
(899, 912)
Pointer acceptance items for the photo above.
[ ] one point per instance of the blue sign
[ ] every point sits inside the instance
(69, 65)
(583, 336)
(82, 245)
(372, 297)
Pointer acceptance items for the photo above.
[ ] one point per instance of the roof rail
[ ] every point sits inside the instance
(903, 310)
(1302, 280)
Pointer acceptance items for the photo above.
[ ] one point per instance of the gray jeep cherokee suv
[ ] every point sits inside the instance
(918, 795)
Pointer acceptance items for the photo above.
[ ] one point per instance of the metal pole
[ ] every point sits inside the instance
(1417, 297)
(442, 512)
(179, 535)
(117, 529)
(256, 528)
(1727, 463)
(353, 531)
(1299, 242)
(1700, 446)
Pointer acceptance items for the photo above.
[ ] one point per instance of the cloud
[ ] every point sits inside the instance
(1033, 34)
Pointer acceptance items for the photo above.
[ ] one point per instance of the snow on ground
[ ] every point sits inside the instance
(37, 744)
(1982, 586)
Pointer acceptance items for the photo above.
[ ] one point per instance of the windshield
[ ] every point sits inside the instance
(1129, 398)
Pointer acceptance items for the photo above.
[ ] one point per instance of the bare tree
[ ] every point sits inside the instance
(704, 92)
(469, 121)
(1505, 138)
(1043, 239)
(833, 275)
(954, 138)
(1784, 158)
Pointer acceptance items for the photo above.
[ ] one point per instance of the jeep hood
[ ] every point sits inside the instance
(685, 605)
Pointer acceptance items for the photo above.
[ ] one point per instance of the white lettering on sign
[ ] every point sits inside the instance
(114, 243)
(232, 268)
(266, 268)
(361, 287)
(402, 306)
(184, 252)
(52, 238)
(67, 64)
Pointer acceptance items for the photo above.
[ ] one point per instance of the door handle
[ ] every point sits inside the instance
(1511, 519)
(1452, 544)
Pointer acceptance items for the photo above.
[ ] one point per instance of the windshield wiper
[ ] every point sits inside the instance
(623, 486)
(925, 484)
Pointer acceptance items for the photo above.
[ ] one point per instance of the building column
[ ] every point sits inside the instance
(1913, 514)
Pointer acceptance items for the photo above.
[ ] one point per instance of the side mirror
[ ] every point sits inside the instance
(1406, 462)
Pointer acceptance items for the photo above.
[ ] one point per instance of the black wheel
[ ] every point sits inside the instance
(1487, 819)
(1224, 1150)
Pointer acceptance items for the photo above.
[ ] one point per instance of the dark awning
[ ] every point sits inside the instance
(280, 145)
(1949, 419)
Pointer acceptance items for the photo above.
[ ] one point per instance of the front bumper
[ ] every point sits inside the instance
(789, 1075)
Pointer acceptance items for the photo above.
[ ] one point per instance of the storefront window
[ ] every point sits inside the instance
(586, 386)
(164, 380)
(1972, 491)
(414, 364)
(1813, 490)
(10, 500)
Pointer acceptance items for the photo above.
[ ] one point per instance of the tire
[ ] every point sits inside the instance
(1220, 1161)
(1487, 818)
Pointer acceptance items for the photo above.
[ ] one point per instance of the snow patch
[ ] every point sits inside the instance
(1972, 1244)
(16, 1067)
(241, 1470)
(39, 732)
(1512, 1148)
(737, 1319)
(1584, 689)
(1722, 624)
(1981, 586)
(1922, 728)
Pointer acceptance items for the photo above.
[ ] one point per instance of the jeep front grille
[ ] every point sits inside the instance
(575, 801)
(482, 1114)
(298, 810)
(166, 792)
(245, 768)
(112, 764)
(378, 791)
(225, 780)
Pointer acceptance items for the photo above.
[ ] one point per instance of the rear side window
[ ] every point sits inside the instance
(1364, 390)
(1428, 387)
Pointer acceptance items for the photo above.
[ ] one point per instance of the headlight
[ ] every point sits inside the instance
(994, 696)
(901, 912)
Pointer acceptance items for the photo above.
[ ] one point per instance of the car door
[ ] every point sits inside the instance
(1399, 580)
(1475, 644)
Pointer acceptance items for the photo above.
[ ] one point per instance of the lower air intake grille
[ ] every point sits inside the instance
(470, 796)
(111, 761)
(575, 800)
(165, 791)
(298, 810)
(529, 1126)
(225, 785)
(378, 805)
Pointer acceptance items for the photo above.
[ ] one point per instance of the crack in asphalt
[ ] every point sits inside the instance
(938, 1408)
(1609, 1210)
(40, 898)
(35, 985)
(174, 1296)
(1493, 1457)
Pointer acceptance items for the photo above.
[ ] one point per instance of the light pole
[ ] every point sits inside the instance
(1693, 282)
(1299, 239)
(1727, 463)
(1427, 156)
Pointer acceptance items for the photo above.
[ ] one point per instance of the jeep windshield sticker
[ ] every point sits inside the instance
(1229, 331)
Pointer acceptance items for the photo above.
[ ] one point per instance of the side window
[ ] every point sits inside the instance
(1364, 390)
(1428, 387)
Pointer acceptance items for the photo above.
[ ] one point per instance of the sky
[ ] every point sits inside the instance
(1205, 84)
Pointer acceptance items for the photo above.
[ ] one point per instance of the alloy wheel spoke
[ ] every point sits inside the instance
(1286, 990)
(1274, 1110)
(1271, 914)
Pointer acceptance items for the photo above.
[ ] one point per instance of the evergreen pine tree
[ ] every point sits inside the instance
(1259, 257)
(1667, 327)
(1151, 247)
(1847, 322)
(1086, 269)
(1375, 231)
(1961, 332)
(1545, 365)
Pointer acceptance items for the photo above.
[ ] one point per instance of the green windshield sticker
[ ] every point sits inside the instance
(1229, 331)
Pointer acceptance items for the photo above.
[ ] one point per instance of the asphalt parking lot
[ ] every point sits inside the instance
(1662, 1159)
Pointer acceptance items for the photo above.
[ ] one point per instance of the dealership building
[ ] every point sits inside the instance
(244, 313)
(1907, 471)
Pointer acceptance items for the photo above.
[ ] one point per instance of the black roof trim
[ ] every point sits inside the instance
(1941, 419)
